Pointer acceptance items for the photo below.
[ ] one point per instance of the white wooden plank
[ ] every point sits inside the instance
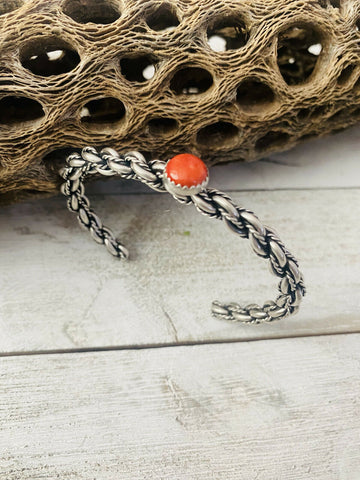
(60, 290)
(321, 163)
(282, 409)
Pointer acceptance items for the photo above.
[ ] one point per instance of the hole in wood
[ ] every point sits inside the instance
(299, 49)
(220, 134)
(330, 3)
(46, 57)
(19, 110)
(139, 68)
(303, 114)
(7, 6)
(107, 110)
(312, 113)
(162, 18)
(253, 95)
(346, 75)
(227, 33)
(319, 112)
(91, 11)
(191, 81)
(56, 159)
(272, 139)
(162, 127)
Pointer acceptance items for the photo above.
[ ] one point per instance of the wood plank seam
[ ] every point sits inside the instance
(167, 345)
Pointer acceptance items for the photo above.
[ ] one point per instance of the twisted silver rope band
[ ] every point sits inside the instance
(210, 202)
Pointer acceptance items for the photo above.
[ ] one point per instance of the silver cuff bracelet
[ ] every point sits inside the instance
(185, 177)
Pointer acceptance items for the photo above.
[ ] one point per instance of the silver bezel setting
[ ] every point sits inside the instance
(181, 191)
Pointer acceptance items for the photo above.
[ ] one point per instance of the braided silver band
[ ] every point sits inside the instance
(210, 202)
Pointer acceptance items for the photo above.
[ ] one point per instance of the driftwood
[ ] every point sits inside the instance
(224, 79)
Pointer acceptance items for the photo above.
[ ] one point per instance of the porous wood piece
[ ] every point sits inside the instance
(223, 79)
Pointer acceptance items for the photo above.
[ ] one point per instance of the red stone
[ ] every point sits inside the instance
(186, 170)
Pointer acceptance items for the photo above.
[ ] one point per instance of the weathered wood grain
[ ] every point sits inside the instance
(217, 122)
(281, 409)
(60, 290)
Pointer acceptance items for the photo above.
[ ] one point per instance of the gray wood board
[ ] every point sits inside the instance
(60, 290)
(279, 409)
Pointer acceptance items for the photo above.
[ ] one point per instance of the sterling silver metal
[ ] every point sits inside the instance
(210, 202)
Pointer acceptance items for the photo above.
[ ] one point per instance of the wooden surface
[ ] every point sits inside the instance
(275, 409)
(117, 370)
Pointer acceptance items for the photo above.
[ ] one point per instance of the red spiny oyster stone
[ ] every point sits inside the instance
(186, 170)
